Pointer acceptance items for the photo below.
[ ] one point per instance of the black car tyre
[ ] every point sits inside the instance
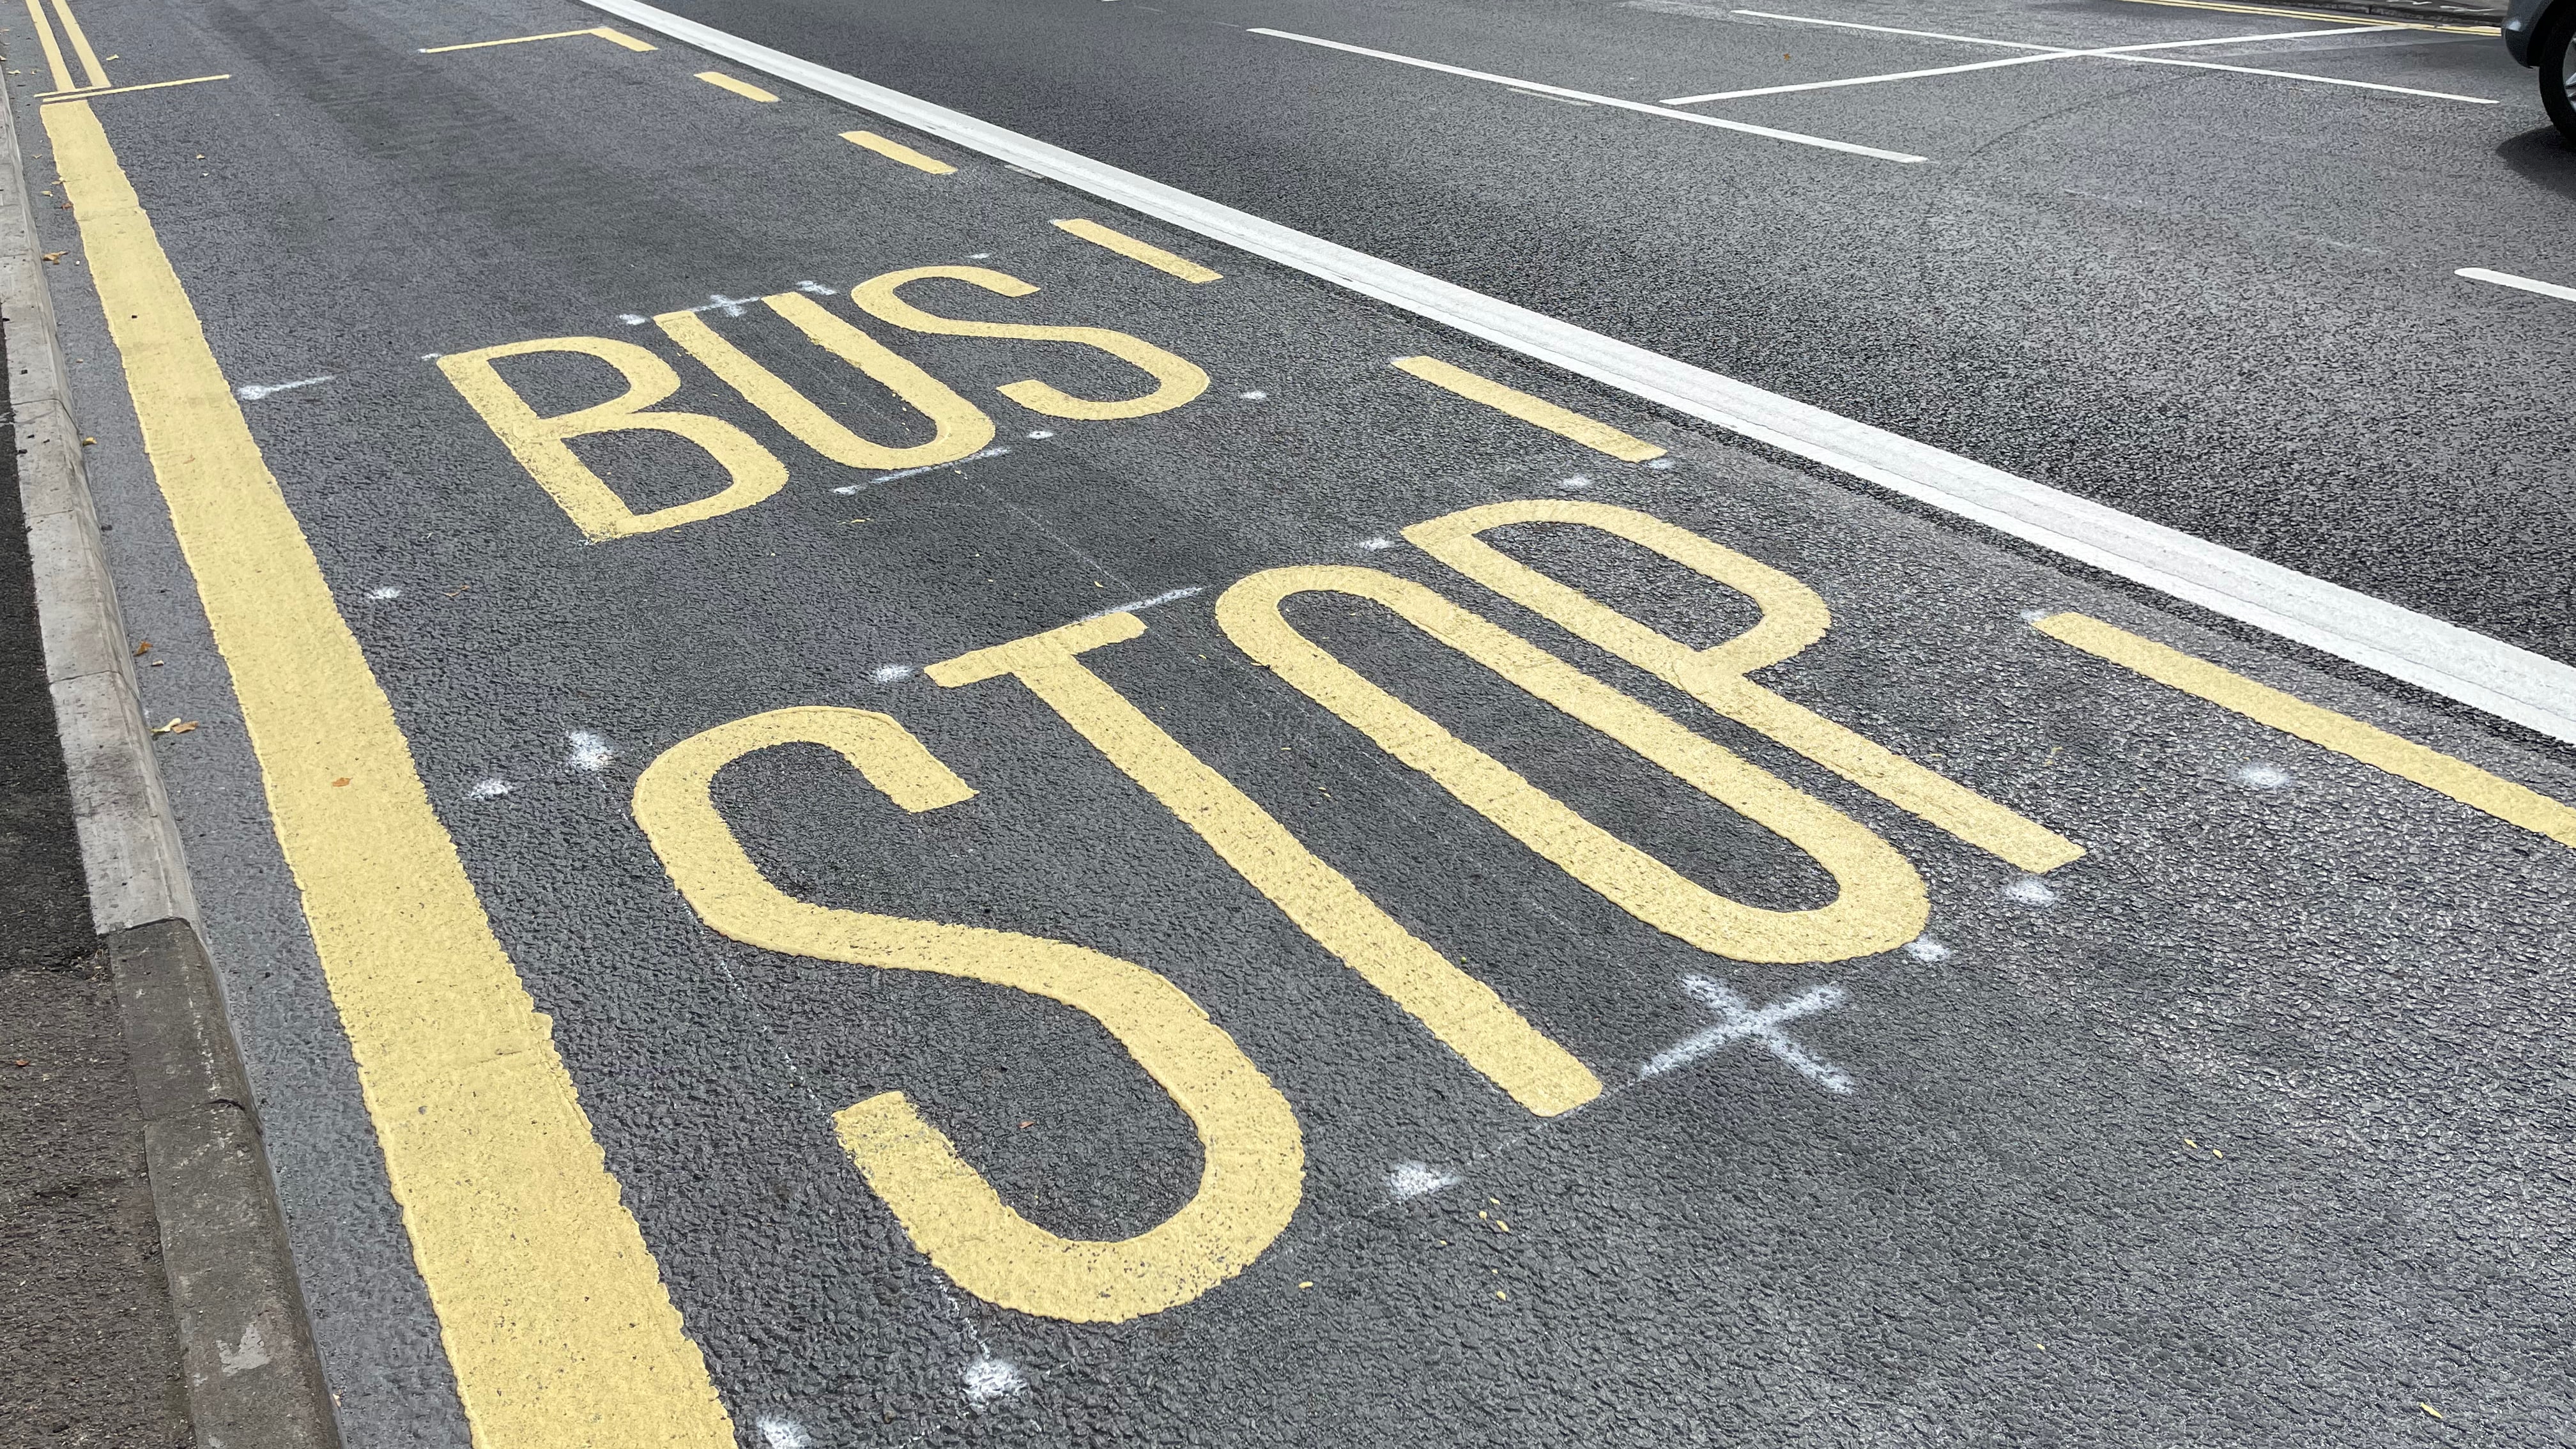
(2550, 50)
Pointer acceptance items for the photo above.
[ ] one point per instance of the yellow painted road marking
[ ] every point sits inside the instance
(52, 47)
(1793, 617)
(614, 37)
(959, 427)
(1252, 1152)
(1598, 436)
(1176, 378)
(551, 1308)
(2375, 22)
(1134, 250)
(724, 82)
(2342, 734)
(1457, 1008)
(1879, 902)
(897, 151)
(80, 46)
(50, 97)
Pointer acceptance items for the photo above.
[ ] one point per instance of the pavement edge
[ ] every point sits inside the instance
(245, 1342)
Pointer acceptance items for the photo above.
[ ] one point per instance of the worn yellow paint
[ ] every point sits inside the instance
(53, 48)
(1253, 1155)
(1793, 617)
(1456, 1007)
(613, 37)
(897, 151)
(1879, 902)
(1134, 250)
(2341, 733)
(1177, 378)
(1536, 411)
(960, 427)
(724, 82)
(542, 444)
(80, 45)
(550, 1306)
(49, 97)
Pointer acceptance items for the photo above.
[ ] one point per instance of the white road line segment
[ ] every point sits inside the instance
(2043, 54)
(2127, 54)
(1594, 98)
(2508, 279)
(2514, 684)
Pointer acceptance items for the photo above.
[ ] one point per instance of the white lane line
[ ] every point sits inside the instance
(1560, 92)
(2125, 54)
(2043, 54)
(2508, 279)
(2488, 674)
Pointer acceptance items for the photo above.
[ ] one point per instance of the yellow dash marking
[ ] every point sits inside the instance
(1134, 250)
(1598, 436)
(53, 48)
(50, 97)
(80, 46)
(550, 1306)
(2374, 22)
(2464, 782)
(614, 37)
(897, 151)
(724, 82)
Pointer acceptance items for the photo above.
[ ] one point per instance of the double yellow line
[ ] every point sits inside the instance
(54, 47)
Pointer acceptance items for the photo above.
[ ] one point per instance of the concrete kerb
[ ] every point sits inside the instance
(246, 1345)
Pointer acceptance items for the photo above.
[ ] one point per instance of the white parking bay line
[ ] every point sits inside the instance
(2129, 54)
(2456, 663)
(2043, 53)
(2508, 279)
(1642, 107)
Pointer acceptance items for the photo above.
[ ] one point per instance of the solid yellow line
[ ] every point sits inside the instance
(897, 151)
(550, 1306)
(53, 49)
(1134, 250)
(602, 31)
(2342, 734)
(80, 45)
(1598, 436)
(2373, 21)
(724, 82)
(51, 97)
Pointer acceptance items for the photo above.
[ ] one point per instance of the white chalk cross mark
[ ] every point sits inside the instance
(1738, 1019)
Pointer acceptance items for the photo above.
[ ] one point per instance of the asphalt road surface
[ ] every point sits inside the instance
(850, 797)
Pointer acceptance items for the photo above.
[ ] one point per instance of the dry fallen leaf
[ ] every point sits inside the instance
(143, 648)
(343, 780)
(55, 256)
(176, 726)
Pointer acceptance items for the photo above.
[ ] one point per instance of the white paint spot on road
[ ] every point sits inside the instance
(917, 472)
(1924, 948)
(989, 1378)
(1165, 597)
(633, 319)
(492, 789)
(783, 1433)
(1575, 484)
(242, 1357)
(988, 256)
(589, 751)
(1408, 1180)
(1254, 396)
(384, 591)
(2263, 775)
(1659, 464)
(889, 673)
(2030, 890)
(258, 390)
(1041, 433)
(2033, 616)
(1737, 1020)
(817, 288)
(1374, 545)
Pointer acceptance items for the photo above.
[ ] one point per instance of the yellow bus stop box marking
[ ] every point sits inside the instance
(1599, 436)
(897, 151)
(724, 82)
(1134, 250)
(551, 1308)
(2462, 781)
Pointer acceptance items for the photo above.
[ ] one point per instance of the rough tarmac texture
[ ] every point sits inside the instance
(84, 1310)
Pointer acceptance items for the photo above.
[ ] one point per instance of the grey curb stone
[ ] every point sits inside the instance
(246, 1347)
